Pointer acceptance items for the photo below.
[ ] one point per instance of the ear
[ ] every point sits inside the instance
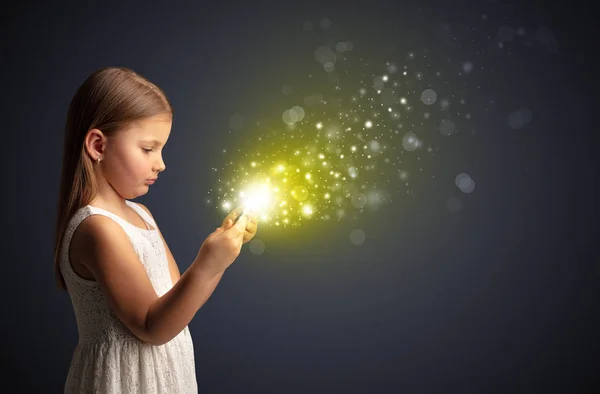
(95, 142)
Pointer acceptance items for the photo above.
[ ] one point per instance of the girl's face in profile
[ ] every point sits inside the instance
(134, 155)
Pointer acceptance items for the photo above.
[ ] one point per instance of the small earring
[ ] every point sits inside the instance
(98, 160)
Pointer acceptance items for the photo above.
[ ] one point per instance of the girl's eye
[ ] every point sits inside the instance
(147, 150)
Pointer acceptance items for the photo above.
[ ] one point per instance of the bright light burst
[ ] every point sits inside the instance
(256, 198)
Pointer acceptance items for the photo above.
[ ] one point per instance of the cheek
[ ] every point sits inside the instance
(139, 164)
(130, 164)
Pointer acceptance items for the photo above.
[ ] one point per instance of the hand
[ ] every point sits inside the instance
(251, 226)
(222, 247)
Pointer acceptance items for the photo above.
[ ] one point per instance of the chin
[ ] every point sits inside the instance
(142, 193)
(133, 194)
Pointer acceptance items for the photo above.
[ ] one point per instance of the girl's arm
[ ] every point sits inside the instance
(108, 253)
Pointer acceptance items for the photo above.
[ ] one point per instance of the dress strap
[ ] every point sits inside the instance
(142, 212)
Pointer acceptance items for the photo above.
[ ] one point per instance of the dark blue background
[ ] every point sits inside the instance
(498, 297)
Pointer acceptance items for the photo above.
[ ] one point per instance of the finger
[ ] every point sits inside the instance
(237, 211)
(248, 235)
(241, 224)
(233, 215)
(251, 227)
(239, 217)
(227, 224)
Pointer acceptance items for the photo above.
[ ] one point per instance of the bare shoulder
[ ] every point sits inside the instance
(92, 231)
(97, 244)
(97, 231)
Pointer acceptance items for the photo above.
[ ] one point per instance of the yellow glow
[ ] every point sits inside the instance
(293, 178)
(307, 210)
(300, 193)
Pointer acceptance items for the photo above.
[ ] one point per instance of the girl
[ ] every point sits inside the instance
(131, 305)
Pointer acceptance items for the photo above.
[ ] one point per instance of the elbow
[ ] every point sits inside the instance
(150, 339)
(150, 336)
(147, 337)
(155, 340)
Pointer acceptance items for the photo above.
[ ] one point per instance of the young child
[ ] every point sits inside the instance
(131, 305)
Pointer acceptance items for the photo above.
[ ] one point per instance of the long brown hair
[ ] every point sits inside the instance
(109, 100)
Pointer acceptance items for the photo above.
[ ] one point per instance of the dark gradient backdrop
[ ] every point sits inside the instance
(499, 296)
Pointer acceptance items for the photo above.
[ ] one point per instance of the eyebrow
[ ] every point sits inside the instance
(152, 140)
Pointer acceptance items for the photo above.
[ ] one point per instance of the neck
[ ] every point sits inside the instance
(107, 197)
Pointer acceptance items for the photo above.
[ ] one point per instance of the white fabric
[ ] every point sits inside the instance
(108, 357)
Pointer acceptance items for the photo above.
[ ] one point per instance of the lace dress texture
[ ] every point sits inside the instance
(108, 357)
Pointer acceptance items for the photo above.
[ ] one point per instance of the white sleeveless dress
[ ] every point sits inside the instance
(109, 358)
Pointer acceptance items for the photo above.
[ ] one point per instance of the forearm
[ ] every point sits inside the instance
(213, 284)
(172, 312)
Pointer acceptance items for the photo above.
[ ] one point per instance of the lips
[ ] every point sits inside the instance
(150, 181)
